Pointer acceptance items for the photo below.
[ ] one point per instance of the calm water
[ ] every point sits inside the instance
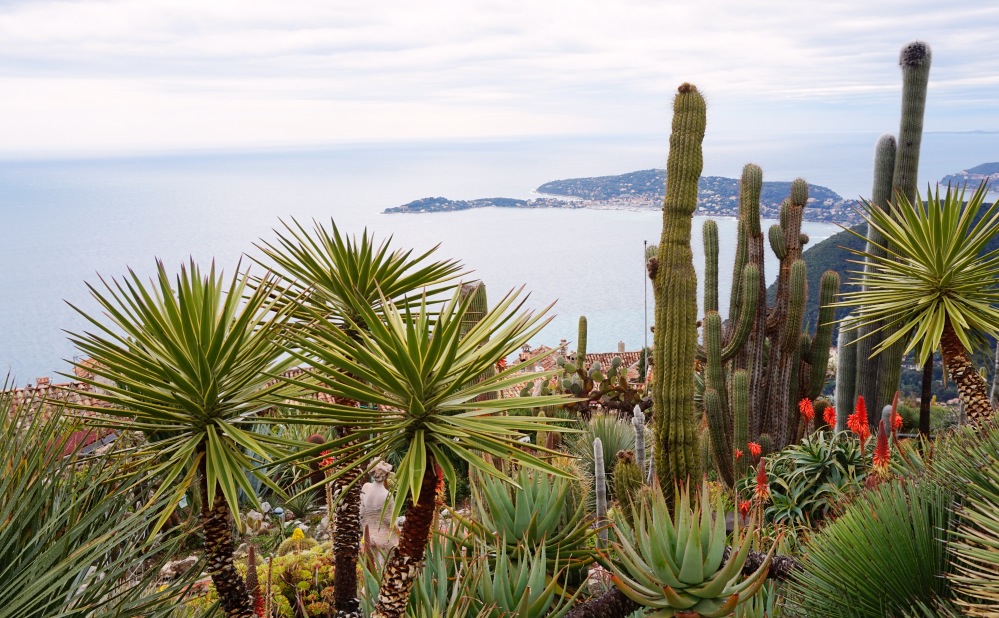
(67, 221)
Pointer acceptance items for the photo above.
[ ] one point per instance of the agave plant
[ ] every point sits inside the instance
(72, 543)
(676, 566)
(540, 511)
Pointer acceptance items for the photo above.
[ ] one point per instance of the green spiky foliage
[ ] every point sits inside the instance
(846, 373)
(72, 543)
(520, 587)
(674, 564)
(973, 546)
(628, 480)
(896, 531)
(783, 364)
(937, 287)
(675, 422)
(868, 337)
(542, 511)
(914, 60)
(615, 435)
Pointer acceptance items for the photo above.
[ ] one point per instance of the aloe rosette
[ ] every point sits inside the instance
(677, 566)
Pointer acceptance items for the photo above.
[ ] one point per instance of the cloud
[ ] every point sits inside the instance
(116, 74)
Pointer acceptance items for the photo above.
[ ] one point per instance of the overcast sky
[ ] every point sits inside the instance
(87, 76)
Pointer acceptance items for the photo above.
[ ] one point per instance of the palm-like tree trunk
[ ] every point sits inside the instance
(407, 560)
(228, 584)
(346, 546)
(971, 386)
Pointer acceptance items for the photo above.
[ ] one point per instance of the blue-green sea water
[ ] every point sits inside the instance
(65, 222)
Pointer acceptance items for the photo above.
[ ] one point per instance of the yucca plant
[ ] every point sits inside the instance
(72, 542)
(328, 276)
(541, 510)
(968, 465)
(881, 557)
(189, 361)
(419, 370)
(934, 285)
(675, 564)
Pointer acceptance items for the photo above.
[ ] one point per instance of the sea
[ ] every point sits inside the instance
(70, 221)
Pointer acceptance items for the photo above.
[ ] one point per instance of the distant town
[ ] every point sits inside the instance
(645, 190)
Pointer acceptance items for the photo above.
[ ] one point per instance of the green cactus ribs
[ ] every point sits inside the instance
(675, 422)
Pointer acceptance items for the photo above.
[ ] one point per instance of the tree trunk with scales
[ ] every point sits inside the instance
(217, 521)
(971, 386)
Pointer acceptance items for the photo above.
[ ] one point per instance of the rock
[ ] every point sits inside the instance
(175, 568)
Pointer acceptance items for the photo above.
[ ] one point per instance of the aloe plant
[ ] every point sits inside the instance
(543, 511)
(519, 587)
(676, 565)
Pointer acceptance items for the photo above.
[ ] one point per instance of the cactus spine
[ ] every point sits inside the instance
(846, 374)
(675, 290)
(914, 60)
(600, 486)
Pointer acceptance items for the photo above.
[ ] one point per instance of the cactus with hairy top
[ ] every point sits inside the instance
(914, 60)
(675, 422)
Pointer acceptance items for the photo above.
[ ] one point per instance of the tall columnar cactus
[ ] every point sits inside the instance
(600, 487)
(675, 288)
(868, 337)
(780, 363)
(628, 481)
(914, 60)
(581, 344)
(638, 421)
(846, 374)
(475, 294)
(740, 421)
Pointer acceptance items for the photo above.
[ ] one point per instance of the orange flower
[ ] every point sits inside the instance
(829, 416)
(896, 418)
(806, 409)
(326, 461)
(857, 422)
(738, 454)
(762, 491)
(882, 453)
(501, 364)
(755, 449)
(744, 507)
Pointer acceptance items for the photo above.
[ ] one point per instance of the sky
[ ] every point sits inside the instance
(126, 76)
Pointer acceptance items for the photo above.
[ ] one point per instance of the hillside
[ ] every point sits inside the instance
(973, 176)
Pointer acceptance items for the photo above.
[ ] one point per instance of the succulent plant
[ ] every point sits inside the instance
(542, 512)
(676, 566)
(521, 587)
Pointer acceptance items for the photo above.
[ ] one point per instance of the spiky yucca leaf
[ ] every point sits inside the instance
(72, 544)
(895, 531)
(519, 587)
(419, 370)
(188, 361)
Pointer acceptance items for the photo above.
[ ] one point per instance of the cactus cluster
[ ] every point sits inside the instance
(759, 365)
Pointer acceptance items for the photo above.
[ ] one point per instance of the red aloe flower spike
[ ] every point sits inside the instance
(744, 507)
(896, 418)
(829, 416)
(857, 422)
(738, 454)
(882, 453)
(755, 449)
(807, 409)
(762, 491)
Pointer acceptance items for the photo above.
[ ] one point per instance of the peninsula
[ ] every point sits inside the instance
(644, 190)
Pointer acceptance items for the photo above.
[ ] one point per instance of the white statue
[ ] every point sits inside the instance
(376, 512)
